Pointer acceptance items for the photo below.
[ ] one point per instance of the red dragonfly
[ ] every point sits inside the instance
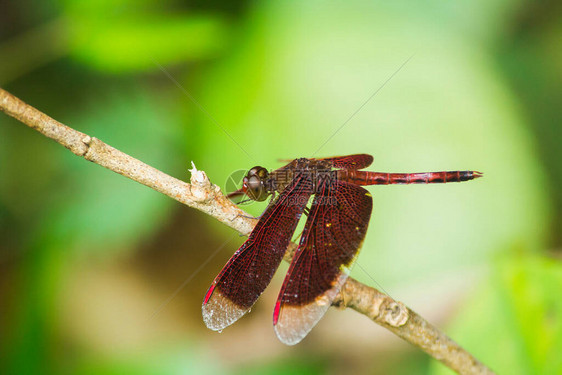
(334, 231)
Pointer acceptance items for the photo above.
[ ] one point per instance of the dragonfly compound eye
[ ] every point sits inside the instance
(254, 184)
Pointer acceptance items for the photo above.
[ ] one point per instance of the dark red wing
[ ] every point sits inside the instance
(351, 162)
(250, 269)
(331, 240)
(357, 161)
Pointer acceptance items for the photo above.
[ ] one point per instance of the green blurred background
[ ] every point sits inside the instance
(91, 263)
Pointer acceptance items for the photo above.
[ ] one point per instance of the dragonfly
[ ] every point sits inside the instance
(334, 231)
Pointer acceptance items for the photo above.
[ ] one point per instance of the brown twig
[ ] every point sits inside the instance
(204, 196)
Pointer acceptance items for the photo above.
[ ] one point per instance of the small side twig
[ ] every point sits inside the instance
(204, 196)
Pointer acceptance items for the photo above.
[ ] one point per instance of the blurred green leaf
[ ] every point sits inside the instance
(99, 8)
(136, 42)
(513, 323)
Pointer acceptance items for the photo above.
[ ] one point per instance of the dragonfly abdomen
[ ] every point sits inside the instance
(380, 178)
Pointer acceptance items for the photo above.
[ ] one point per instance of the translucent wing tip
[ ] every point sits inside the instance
(219, 312)
(295, 322)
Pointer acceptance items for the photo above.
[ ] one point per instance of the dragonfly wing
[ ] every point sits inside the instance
(357, 161)
(330, 243)
(250, 269)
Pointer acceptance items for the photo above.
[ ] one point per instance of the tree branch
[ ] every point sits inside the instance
(204, 196)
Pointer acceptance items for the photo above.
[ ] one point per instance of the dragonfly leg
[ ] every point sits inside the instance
(250, 217)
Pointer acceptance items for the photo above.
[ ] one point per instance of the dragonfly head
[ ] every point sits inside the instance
(254, 184)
